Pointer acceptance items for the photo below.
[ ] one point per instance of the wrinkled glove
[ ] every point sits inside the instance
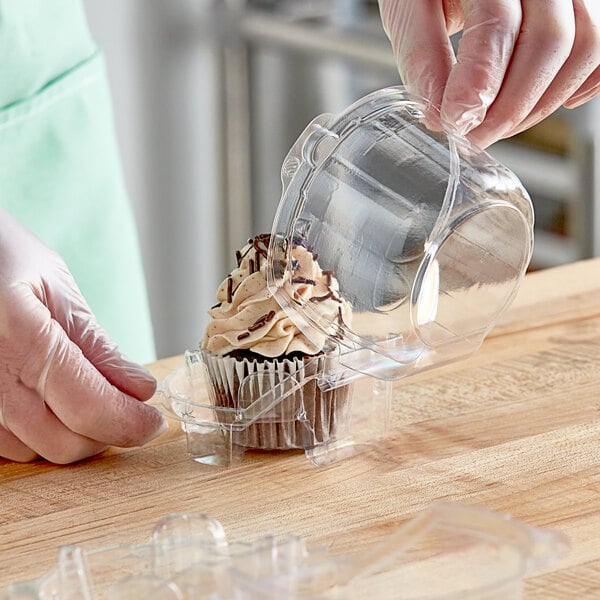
(65, 390)
(517, 60)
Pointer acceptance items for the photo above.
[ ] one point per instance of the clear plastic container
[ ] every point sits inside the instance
(327, 431)
(449, 552)
(428, 237)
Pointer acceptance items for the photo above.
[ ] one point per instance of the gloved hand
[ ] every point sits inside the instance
(65, 390)
(517, 60)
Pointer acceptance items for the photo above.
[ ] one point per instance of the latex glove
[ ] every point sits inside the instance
(517, 60)
(65, 390)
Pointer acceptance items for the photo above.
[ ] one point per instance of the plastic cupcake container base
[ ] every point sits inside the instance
(305, 418)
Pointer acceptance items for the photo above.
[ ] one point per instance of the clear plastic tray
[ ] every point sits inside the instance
(449, 552)
(277, 416)
(428, 238)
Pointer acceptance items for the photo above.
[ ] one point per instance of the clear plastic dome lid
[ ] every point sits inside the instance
(427, 235)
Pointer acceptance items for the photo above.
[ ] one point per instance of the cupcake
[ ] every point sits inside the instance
(249, 333)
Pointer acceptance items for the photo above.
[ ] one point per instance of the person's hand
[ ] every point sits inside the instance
(517, 60)
(65, 390)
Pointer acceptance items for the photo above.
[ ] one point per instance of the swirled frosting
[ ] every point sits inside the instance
(247, 317)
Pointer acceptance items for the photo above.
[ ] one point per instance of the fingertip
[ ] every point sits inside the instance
(144, 425)
(11, 448)
(482, 139)
(460, 118)
(162, 426)
(19, 455)
(146, 390)
(128, 376)
(581, 98)
(139, 382)
(152, 425)
(469, 93)
(493, 127)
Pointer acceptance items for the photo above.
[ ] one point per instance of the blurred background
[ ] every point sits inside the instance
(209, 96)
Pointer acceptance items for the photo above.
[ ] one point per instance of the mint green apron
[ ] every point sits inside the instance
(59, 165)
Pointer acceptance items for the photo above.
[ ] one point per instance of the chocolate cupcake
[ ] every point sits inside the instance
(250, 334)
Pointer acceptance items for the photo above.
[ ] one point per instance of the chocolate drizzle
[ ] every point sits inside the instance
(263, 238)
(229, 289)
(257, 247)
(239, 256)
(329, 295)
(260, 322)
(303, 280)
(235, 289)
(259, 244)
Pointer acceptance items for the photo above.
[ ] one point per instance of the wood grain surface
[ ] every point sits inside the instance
(515, 428)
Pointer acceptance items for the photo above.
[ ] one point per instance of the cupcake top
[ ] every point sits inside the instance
(247, 316)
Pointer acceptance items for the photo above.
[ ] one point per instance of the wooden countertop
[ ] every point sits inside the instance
(515, 428)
